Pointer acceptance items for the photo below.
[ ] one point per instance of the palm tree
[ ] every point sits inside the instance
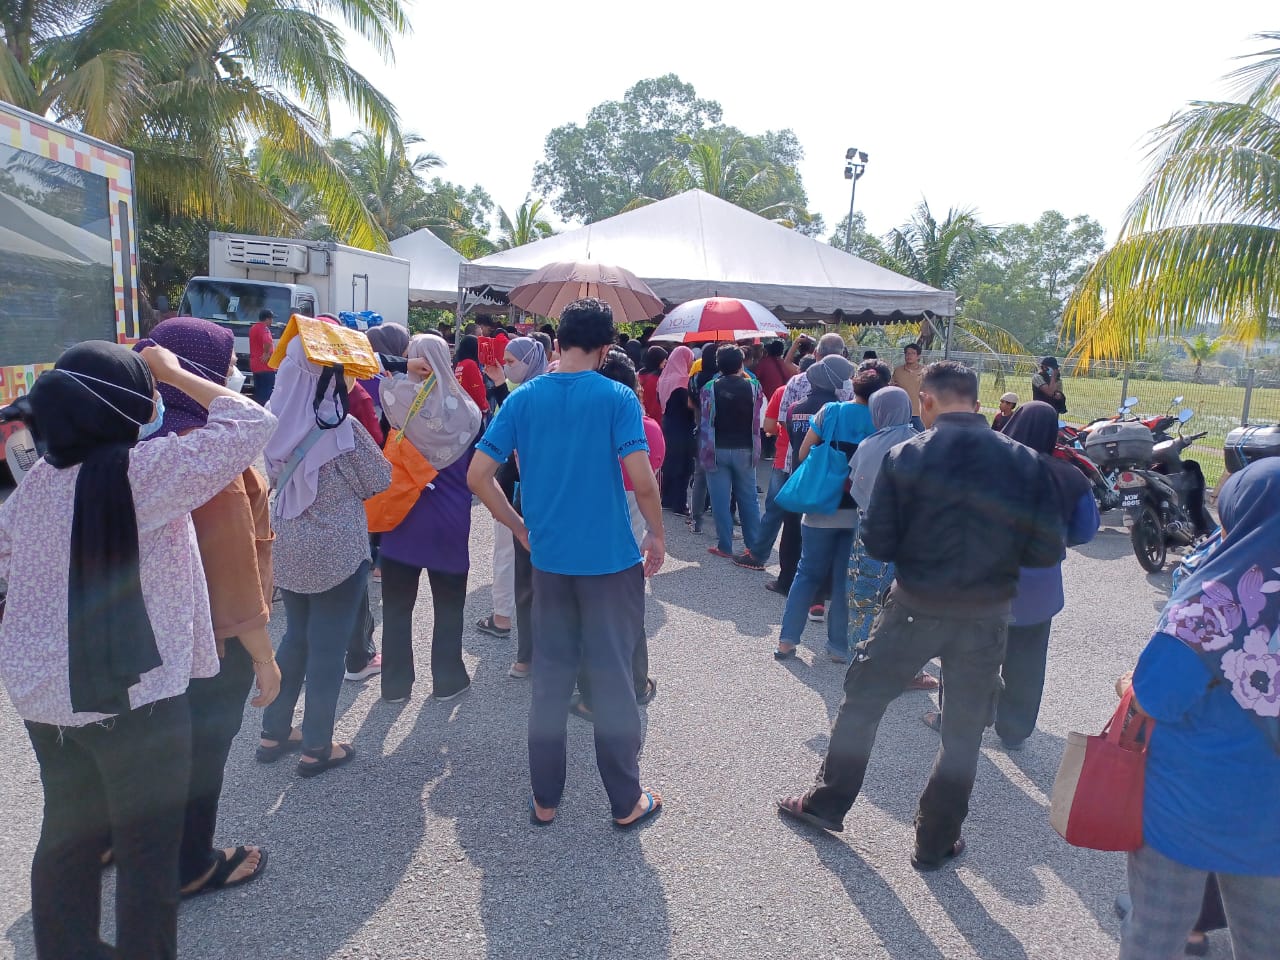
(940, 254)
(190, 85)
(529, 226)
(720, 162)
(1200, 350)
(389, 180)
(1202, 240)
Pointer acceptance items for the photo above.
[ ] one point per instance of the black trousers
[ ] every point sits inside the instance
(399, 595)
(588, 621)
(639, 667)
(121, 783)
(902, 641)
(360, 648)
(677, 467)
(217, 709)
(789, 551)
(1025, 657)
(524, 605)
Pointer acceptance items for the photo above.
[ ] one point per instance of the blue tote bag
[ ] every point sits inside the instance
(818, 484)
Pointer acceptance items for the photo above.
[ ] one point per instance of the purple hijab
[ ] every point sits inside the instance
(205, 349)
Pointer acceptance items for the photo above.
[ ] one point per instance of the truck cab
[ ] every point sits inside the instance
(234, 304)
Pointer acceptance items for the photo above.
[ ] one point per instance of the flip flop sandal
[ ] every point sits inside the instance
(794, 807)
(492, 629)
(932, 720)
(785, 654)
(650, 691)
(650, 812)
(929, 866)
(581, 711)
(535, 819)
(324, 760)
(219, 879)
(282, 748)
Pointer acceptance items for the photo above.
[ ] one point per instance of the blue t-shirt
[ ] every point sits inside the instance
(1213, 779)
(569, 431)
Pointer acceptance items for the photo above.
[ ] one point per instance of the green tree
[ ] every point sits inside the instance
(593, 170)
(1200, 350)
(528, 226)
(861, 242)
(191, 85)
(389, 178)
(1202, 240)
(1022, 284)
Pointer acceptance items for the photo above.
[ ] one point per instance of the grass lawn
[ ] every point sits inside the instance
(1217, 408)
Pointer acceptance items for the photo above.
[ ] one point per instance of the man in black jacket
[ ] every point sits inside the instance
(959, 509)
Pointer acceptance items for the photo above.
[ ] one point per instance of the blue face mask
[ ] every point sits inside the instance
(149, 429)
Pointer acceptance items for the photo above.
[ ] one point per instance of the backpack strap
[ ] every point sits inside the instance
(295, 460)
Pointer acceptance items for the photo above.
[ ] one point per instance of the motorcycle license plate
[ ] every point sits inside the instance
(1131, 499)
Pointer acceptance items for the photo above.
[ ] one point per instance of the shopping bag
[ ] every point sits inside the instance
(1097, 795)
(328, 345)
(440, 421)
(411, 472)
(819, 483)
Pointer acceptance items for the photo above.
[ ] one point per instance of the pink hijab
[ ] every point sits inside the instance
(675, 375)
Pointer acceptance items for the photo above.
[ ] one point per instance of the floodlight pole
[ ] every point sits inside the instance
(855, 166)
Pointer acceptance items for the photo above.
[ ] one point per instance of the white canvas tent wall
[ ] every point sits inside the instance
(696, 245)
(433, 269)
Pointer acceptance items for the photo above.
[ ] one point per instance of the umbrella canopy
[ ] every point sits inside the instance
(549, 290)
(718, 318)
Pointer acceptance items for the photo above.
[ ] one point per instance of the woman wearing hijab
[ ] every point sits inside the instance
(433, 537)
(233, 533)
(107, 621)
(649, 373)
(390, 339)
(699, 501)
(523, 359)
(1039, 597)
(1210, 678)
(827, 538)
(466, 371)
(324, 465)
(677, 430)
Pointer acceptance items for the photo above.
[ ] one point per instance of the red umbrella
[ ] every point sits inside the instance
(549, 290)
(718, 318)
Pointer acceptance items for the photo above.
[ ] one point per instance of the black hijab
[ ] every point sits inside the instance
(92, 421)
(654, 357)
(468, 349)
(1035, 425)
(710, 366)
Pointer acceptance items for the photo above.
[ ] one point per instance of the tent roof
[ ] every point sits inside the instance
(433, 268)
(696, 245)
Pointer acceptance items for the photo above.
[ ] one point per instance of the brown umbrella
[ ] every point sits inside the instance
(549, 290)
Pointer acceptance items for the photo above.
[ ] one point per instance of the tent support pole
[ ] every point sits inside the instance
(946, 348)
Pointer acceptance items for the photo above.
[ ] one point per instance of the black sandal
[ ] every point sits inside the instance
(580, 710)
(218, 880)
(650, 691)
(325, 760)
(793, 807)
(929, 866)
(282, 748)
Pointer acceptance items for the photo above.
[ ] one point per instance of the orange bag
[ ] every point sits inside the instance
(410, 474)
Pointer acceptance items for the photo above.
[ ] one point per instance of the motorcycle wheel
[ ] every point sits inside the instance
(1148, 541)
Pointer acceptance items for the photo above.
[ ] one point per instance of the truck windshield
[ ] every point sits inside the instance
(57, 281)
(234, 304)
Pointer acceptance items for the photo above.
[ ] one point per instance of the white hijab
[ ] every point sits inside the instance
(293, 403)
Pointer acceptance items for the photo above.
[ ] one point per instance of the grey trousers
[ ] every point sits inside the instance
(1166, 901)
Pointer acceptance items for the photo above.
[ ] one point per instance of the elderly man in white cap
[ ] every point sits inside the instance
(1008, 404)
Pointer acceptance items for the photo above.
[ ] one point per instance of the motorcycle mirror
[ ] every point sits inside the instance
(1131, 401)
(1185, 414)
(1176, 401)
(1062, 424)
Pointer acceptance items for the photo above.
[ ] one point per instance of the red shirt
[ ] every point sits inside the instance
(360, 405)
(652, 402)
(774, 412)
(468, 374)
(261, 344)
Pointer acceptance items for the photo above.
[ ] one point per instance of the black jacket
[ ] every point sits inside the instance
(959, 509)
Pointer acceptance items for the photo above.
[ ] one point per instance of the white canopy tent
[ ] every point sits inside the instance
(696, 245)
(433, 269)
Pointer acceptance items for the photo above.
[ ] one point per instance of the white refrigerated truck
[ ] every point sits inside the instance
(248, 274)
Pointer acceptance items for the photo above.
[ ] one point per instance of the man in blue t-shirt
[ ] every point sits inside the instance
(568, 430)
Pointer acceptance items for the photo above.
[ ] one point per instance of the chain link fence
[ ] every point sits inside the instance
(1222, 398)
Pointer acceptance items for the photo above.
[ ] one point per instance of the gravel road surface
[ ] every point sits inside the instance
(421, 848)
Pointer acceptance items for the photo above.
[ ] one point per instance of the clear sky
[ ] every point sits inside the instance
(1010, 107)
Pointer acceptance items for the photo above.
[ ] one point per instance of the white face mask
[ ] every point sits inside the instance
(235, 380)
(512, 372)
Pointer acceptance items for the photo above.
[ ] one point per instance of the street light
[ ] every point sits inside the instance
(855, 166)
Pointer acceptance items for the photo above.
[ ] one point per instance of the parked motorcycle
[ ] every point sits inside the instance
(1162, 494)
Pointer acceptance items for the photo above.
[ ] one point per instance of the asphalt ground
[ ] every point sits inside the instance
(421, 848)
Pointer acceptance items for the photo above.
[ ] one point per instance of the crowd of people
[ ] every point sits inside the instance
(144, 551)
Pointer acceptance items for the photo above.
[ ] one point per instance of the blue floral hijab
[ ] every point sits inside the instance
(1228, 609)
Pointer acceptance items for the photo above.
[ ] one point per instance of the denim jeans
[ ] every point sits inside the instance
(771, 522)
(314, 649)
(823, 558)
(734, 478)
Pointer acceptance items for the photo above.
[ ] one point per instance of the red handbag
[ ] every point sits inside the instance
(1097, 795)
